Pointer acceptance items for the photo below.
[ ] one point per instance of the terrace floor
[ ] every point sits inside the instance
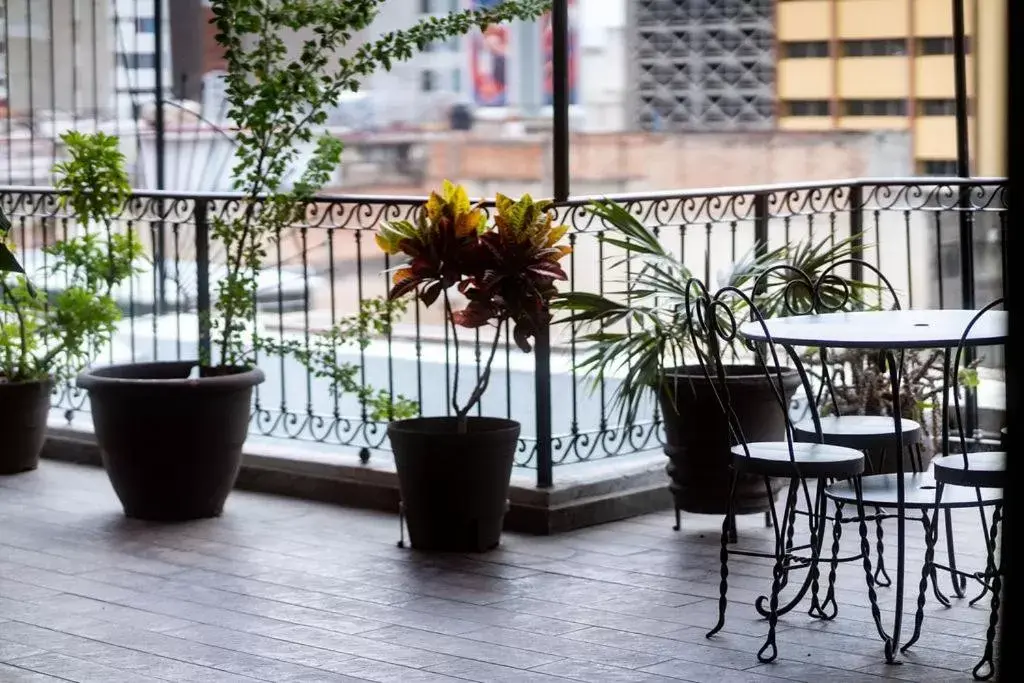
(287, 591)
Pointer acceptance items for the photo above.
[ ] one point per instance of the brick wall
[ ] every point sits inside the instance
(649, 162)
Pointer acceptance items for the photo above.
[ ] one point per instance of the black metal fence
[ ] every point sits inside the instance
(321, 270)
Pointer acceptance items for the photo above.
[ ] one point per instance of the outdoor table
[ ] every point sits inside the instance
(891, 332)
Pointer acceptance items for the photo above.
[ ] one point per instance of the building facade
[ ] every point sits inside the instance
(54, 58)
(135, 58)
(888, 65)
(703, 65)
(815, 65)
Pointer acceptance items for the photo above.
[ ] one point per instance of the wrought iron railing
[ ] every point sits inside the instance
(321, 270)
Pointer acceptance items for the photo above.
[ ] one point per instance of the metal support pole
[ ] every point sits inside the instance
(203, 280)
(857, 231)
(963, 169)
(560, 92)
(760, 250)
(542, 348)
(542, 383)
(159, 249)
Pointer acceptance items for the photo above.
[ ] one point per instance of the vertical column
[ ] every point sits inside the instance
(989, 51)
(542, 372)
(161, 183)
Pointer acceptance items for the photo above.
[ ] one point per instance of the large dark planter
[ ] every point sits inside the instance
(171, 445)
(24, 407)
(454, 487)
(698, 441)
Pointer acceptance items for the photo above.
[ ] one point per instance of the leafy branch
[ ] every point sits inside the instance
(320, 354)
(278, 99)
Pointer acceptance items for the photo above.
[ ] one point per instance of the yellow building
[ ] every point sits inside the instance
(888, 64)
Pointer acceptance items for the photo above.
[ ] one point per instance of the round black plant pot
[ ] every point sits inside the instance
(24, 407)
(171, 445)
(698, 438)
(454, 487)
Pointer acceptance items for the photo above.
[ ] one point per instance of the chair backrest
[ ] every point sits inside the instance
(714, 321)
(828, 291)
(954, 380)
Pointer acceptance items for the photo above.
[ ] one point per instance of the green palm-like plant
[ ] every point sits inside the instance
(655, 304)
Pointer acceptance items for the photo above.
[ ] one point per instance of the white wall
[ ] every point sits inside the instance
(398, 95)
(602, 67)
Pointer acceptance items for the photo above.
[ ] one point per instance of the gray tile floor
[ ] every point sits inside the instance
(289, 591)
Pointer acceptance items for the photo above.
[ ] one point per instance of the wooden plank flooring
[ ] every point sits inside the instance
(291, 591)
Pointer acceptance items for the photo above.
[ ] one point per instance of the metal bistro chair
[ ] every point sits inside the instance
(712, 325)
(979, 479)
(873, 435)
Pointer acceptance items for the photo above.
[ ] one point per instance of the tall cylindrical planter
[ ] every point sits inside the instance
(454, 487)
(171, 445)
(698, 439)
(24, 407)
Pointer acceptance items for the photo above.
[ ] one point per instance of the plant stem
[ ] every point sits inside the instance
(23, 359)
(455, 342)
(483, 382)
(257, 184)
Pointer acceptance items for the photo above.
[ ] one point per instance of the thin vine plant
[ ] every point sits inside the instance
(278, 98)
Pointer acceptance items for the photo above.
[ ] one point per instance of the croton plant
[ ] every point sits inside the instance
(506, 270)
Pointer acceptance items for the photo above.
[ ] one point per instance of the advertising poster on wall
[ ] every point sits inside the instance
(489, 55)
(547, 44)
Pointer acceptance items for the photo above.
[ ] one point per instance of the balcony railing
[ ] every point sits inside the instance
(320, 270)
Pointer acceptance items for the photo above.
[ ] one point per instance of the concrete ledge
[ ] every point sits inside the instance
(585, 493)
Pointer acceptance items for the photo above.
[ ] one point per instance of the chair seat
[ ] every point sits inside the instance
(862, 432)
(881, 490)
(810, 460)
(986, 469)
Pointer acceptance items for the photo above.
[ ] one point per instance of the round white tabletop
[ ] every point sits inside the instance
(911, 329)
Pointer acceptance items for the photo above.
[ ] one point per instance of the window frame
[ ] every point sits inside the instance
(802, 49)
(797, 108)
(874, 107)
(874, 47)
(936, 106)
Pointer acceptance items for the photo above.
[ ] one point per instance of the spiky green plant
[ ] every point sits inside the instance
(653, 303)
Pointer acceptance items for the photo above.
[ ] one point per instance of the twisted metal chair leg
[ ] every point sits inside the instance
(830, 593)
(769, 651)
(816, 609)
(932, 524)
(931, 533)
(790, 526)
(959, 581)
(788, 518)
(723, 586)
(882, 577)
(985, 669)
(865, 549)
(990, 543)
